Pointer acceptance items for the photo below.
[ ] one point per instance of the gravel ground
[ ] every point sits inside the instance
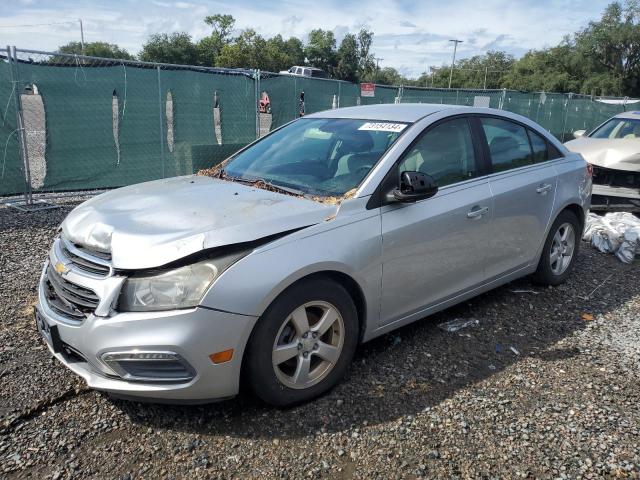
(420, 402)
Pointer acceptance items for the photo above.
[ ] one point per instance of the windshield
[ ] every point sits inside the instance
(315, 156)
(618, 128)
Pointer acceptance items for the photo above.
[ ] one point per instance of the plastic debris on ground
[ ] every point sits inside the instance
(458, 324)
(615, 232)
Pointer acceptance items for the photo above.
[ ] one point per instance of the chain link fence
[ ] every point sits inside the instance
(72, 122)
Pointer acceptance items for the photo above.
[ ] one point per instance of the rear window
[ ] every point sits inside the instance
(508, 144)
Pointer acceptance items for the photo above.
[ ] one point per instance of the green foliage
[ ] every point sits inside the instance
(209, 47)
(366, 62)
(384, 76)
(321, 50)
(603, 58)
(347, 68)
(96, 49)
(175, 48)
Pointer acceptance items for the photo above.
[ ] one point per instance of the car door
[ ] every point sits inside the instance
(523, 184)
(434, 249)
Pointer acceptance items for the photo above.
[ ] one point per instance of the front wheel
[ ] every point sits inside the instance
(303, 344)
(560, 250)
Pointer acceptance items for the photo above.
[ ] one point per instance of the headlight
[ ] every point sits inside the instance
(181, 287)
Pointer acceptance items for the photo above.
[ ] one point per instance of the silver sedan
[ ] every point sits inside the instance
(272, 267)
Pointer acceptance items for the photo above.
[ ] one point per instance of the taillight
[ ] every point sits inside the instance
(589, 169)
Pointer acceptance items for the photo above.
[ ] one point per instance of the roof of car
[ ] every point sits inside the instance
(631, 114)
(396, 112)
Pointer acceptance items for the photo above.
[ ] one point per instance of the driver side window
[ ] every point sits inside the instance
(445, 152)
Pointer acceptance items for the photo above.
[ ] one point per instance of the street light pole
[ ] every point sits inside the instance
(378, 66)
(81, 36)
(453, 61)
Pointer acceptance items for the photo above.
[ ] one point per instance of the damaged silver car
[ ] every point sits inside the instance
(613, 149)
(269, 269)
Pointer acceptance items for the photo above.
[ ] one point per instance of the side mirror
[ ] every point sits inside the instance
(415, 186)
(579, 133)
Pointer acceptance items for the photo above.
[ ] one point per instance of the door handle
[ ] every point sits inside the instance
(544, 188)
(477, 212)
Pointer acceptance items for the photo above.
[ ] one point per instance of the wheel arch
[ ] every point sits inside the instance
(341, 278)
(347, 281)
(577, 210)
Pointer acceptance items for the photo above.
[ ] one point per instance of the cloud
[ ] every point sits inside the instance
(409, 35)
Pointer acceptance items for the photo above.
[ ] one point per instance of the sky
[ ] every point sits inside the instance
(409, 35)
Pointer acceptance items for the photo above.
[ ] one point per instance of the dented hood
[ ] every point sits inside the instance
(154, 223)
(616, 153)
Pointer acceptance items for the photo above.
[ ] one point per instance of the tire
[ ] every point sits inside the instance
(552, 272)
(280, 332)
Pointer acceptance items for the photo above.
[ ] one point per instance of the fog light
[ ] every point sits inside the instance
(149, 366)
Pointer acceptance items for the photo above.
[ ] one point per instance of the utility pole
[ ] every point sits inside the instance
(377, 59)
(453, 61)
(486, 69)
(81, 36)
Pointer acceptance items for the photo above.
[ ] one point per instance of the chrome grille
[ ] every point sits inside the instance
(67, 298)
(86, 259)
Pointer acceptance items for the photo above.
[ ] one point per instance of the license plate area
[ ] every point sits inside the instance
(49, 332)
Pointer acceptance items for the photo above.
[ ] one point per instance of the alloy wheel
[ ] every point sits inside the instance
(308, 344)
(562, 248)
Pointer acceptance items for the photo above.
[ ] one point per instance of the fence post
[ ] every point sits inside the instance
(256, 104)
(566, 114)
(160, 119)
(502, 99)
(339, 92)
(22, 136)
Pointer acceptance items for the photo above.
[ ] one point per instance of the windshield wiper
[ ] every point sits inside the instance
(263, 184)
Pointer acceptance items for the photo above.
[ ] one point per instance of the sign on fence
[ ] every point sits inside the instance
(367, 89)
(481, 101)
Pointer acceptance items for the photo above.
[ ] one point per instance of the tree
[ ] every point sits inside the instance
(210, 46)
(96, 49)
(246, 51)
(479, 71)
(294, 48)
(174, 48)
(321, 50)
(366, 60)
(612, 45)
(347, 67)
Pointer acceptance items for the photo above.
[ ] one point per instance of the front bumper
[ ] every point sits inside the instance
(606, 197)
(194, 334)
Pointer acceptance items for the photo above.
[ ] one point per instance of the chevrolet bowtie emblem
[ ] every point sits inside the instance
(61, 268)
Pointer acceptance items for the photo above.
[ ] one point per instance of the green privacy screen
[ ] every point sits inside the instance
(110, 124)
(105, 123)
(11, 171)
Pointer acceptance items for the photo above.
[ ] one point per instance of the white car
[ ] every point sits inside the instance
(613, 149)
(305, 72)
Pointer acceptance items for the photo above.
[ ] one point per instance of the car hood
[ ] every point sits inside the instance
(616, 153)
(154, 223)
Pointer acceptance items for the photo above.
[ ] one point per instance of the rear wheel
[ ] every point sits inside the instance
(560, 250)
(303, 344)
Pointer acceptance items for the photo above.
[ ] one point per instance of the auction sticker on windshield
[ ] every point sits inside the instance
(383, 126)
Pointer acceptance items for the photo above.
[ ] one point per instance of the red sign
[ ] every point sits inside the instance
(367, 89)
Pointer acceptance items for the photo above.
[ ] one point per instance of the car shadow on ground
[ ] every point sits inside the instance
(421, 365)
